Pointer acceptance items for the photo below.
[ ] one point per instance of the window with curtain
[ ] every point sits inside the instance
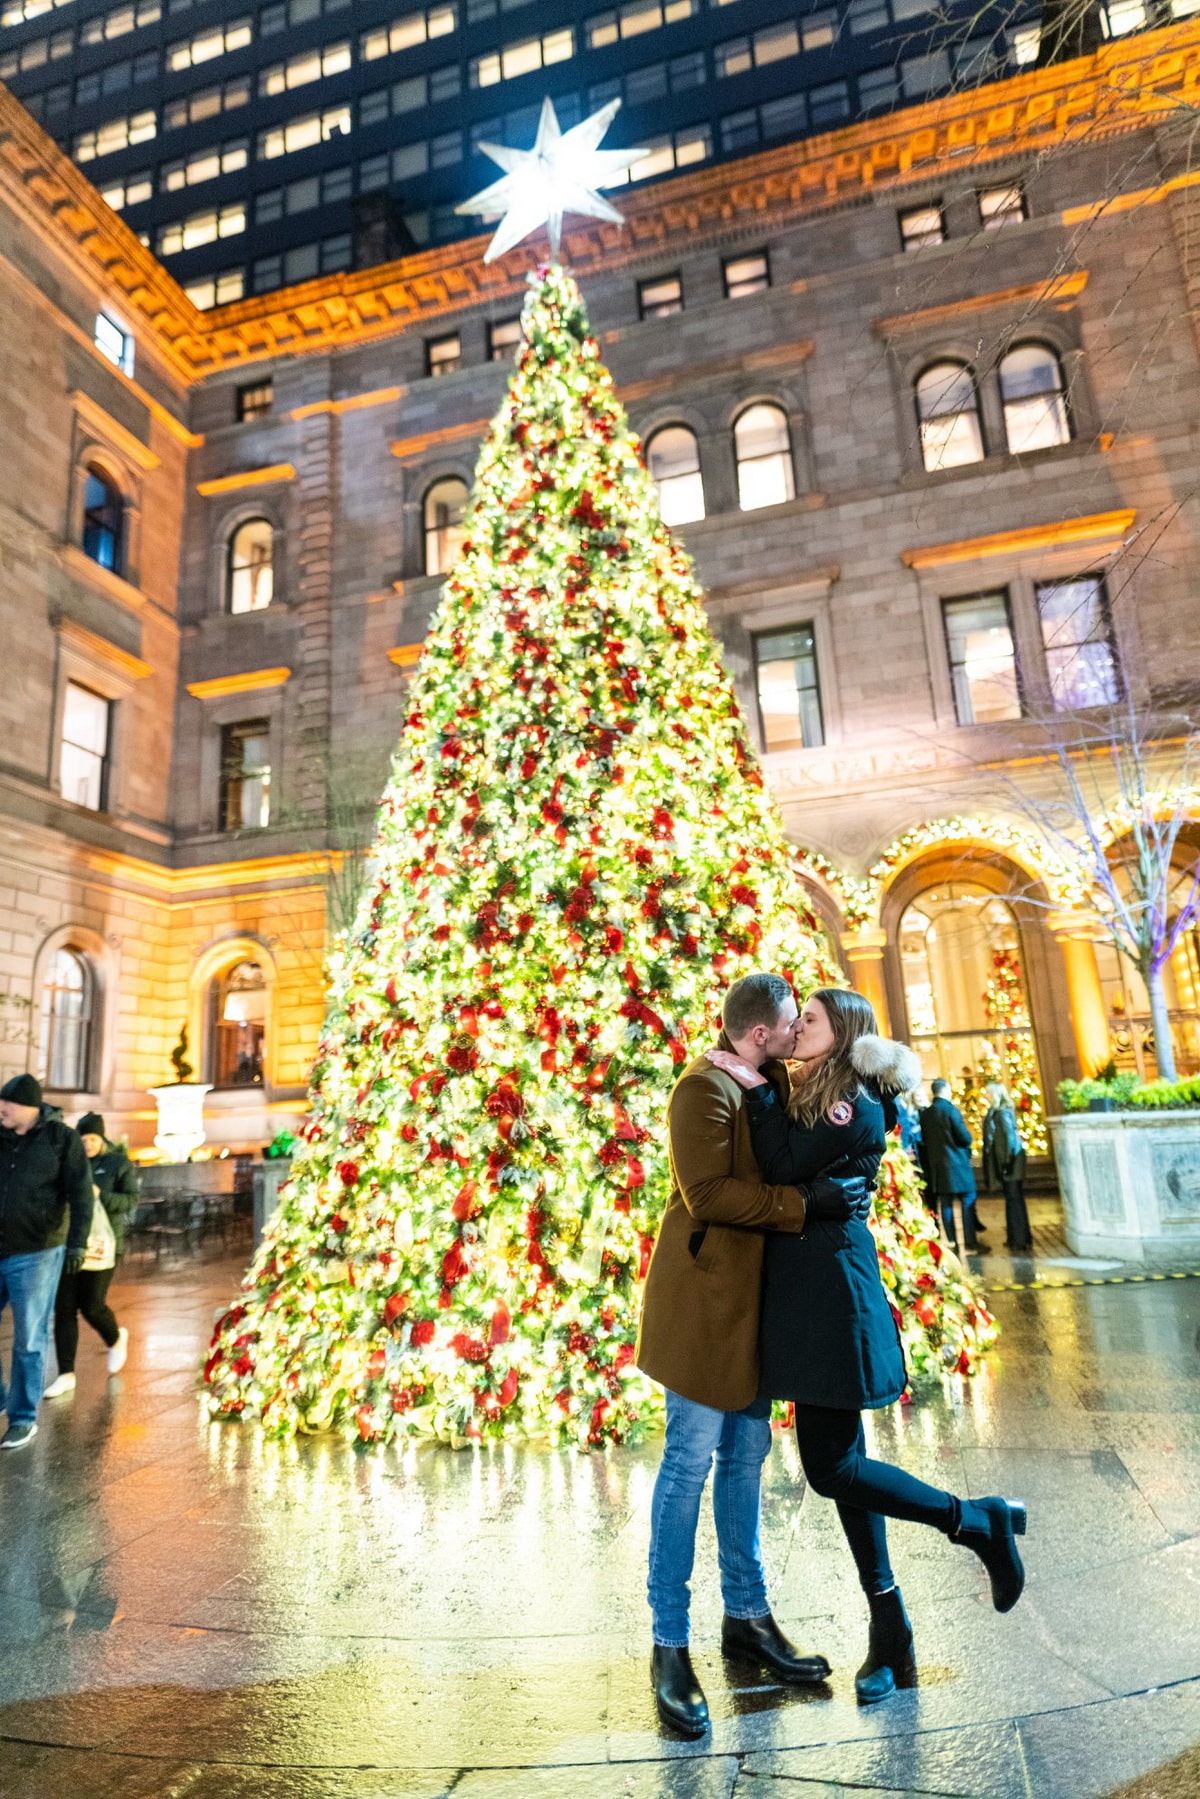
(983, 663)
(444, 509)
(68, 1002)
(1035, 400)
(673, 458)
(237, 1026)
(83, 752)
(246, 776)
(1077, 633)
(103, 519)
(948, 416)
(789, 694)
(763, 447)
(251, 573)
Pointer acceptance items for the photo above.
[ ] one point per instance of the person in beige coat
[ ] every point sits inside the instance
(699, 1339)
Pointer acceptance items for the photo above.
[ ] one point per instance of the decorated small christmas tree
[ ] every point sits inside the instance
(575, 856)
(1016, 1064)
(944, 1325)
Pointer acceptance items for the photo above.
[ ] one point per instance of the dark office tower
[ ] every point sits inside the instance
(235, 136)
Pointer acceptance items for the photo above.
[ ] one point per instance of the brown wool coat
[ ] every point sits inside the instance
(700, 1309)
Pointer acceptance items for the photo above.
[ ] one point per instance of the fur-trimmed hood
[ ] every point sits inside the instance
(892, 1067)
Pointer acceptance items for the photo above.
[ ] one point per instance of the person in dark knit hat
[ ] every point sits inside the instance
(45, 1216)
(85, 1295)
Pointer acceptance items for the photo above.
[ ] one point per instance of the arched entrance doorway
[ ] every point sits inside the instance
(966, 999)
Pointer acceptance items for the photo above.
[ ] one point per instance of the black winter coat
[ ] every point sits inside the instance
(120, 1188)
(1003, 1151)
(946, 1148)
(45, 1188)
(827, 1334)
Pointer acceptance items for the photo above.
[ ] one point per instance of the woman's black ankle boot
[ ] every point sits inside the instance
(990, 1527)
(891, 1661)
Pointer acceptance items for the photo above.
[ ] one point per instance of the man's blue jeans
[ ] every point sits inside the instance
(740, 1441)
(28, 1284)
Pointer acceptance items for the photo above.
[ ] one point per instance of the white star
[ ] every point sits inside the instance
(560, 174)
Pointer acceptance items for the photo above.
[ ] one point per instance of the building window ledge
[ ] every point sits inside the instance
(115, 587)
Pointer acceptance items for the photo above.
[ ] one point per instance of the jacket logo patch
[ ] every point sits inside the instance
(840, 1112)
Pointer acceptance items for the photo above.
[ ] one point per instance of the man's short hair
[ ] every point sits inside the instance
(939, 1087)
(755, 999)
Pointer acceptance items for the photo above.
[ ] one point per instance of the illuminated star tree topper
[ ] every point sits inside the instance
(562, 173)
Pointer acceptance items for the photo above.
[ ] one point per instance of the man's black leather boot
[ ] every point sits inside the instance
(677, 1693)
(760, 1640)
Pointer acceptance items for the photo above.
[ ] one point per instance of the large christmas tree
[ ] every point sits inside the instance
(575, 857)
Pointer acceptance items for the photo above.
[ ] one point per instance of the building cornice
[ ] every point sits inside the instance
(1129, 83)
(1061, 292)
(1093, 529)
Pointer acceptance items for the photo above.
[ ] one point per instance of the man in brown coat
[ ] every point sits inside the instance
(699, 1338)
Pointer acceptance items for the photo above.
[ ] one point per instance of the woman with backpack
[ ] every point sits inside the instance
(85, 1294)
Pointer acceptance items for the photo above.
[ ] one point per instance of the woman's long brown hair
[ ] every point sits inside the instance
(834, 1077)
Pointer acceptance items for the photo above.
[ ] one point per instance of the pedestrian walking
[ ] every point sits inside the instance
(1004, 1165)
(829, 1339)
(946, 1151)
(45, 1216)
(699, 1339)
(85, 1294)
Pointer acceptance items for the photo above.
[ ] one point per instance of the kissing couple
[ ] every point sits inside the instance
(764, 1284)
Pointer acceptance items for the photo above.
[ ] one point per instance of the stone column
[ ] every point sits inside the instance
(864, 951)
(1075, 936)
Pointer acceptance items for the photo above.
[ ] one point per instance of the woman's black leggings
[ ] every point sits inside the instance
(832, 1450)
(82, 1295)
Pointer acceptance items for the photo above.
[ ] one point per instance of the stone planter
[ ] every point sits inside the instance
(268, 1179)
(1130, 1184)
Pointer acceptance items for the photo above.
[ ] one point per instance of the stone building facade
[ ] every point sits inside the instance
(923, 377)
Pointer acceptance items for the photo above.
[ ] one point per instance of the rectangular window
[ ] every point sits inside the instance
(774, 43)
(1077, 633)
(1122, 16)
(298, 71)
(819, 30)
(642, 85)
(789, 696)
(303, 133)
(830, 103)
(202, 228)
(445, 151)
(130, 192)
(688, 71)
(784, 118)
(1024, 43)
(114, 134)
(268, 274)
(746, 275)
(1001, 206)
(302, 262)
(268, 206)
(445, 83)
(336, 253)
(83, 757)
(206, 104)
(409, 160)
(866, 15)
(660, 298)
(983, 663)
(402, 34)
(216, 41)
(216, 290)
(878, 87)
(739, 129)
(255, 400)
(246, 776)
(522, 58)
(503, 338)
(921, 226)
(373, 174)
(114, 342)
(443, 354)
(732, 57)
(921, 75)
(601, 30)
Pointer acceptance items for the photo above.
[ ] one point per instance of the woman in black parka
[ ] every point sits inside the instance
(828, 1338)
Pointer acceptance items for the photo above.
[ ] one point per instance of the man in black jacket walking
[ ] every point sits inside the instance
(45, 1216)
(946, 1150)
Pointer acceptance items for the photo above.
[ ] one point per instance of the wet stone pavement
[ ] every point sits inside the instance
(187, 1612)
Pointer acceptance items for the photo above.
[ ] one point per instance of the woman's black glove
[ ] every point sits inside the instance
(836, 1199)
(73, 1261)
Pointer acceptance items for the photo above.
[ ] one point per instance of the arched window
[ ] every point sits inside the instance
(948, 412)
(445, 508)
(103, 518)
(1035, 401)
(673, 458)
(237, 1026)
(251, 576)
(68, 1005)
(763, 446)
